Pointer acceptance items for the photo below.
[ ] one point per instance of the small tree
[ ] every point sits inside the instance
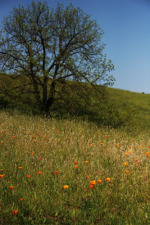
(50, 47)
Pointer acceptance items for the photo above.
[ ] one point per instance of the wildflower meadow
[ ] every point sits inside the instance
(71, 172)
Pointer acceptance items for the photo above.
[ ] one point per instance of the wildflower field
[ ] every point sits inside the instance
(71, 172)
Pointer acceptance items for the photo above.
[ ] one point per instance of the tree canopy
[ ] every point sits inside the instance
(48, 47)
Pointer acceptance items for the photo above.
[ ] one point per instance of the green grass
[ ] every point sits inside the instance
(139, 101)
(109, 106)
(38, 144)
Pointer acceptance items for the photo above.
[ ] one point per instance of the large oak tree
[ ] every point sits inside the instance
(50, 46)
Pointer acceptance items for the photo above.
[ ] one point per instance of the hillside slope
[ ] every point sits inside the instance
(139, 101)
(109, 106)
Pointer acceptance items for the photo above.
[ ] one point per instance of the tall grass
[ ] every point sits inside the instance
(80, 152)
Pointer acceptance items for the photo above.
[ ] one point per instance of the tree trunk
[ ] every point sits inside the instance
(49, 102)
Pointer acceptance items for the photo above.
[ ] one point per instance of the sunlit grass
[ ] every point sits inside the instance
(71, 172)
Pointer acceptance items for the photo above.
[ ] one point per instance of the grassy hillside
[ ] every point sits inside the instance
(139, 101)
(108, 106)
(71, 172)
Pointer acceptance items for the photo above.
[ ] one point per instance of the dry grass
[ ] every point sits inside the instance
(37, 144)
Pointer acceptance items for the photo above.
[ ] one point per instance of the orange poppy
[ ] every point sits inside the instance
(1, 175)
(66, 186)
(28, 176)
(93, 182)
(11, 187)
(56, 172)
(107, 179)
(20, 168)
(14, 212)
(39, 172)
(21, 199)
(91, 186)
(75, 162)
(99, 181)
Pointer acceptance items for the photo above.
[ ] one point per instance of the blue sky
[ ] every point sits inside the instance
(126, 26)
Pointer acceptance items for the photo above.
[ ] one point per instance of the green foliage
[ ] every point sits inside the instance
(40, 45)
